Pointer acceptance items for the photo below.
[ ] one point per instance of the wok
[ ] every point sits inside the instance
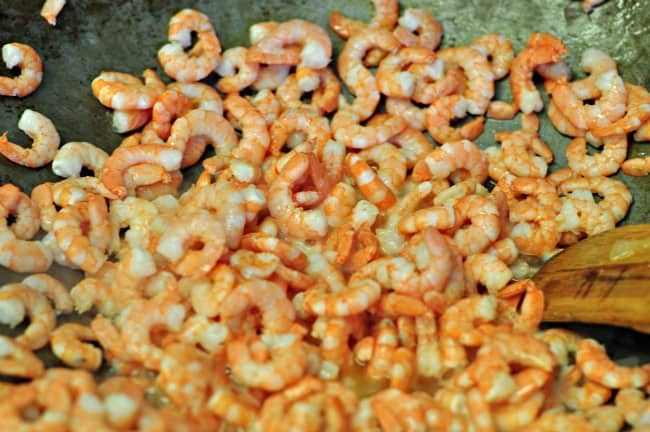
(124, 35)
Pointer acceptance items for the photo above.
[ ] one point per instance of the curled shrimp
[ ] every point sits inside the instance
(75, 155)
(31, 70)
(26, 212)
(201, 59)
(316, 51)
(638, 167)
(417, 27)
(325, 95)
(393, 79)
(347, 129)
(112, 175)
(128, 120)
(451, 159)
(66, 342)
(637, 112)
(385, 16)
(460, 320)
(18, 299)
(51, 9)
(440, 114)
(123, 91)
(286, 360)
(45, 144)
(480, 85)
(604, 163)
(311, 123)
(295, 221)
(499, 49)
(524, 153)
(52, 289)
(413, 115)
(19, 361)
(594, 363)
(370, 184)
(524, 93)
(255, 137)
(237, 73)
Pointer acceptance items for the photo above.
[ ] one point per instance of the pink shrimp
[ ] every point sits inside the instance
(45, 144)
(459, 320)
(18, 299)
(18, 361)
(499, 49)
(316, 49)
(199, 61)
(594, 363)
(480, 85)
(122, 91)
(493, 279)
(638, 167)
(555, 422)
(237, 73)
(369, 183)
(66, 341)
(524, 153)
(458, 158)
(440, 114)
(413, 115)
(305, 120)
(604, 163)
(71, 157)
(51, 9)
(255, 137)
(637, 112)
(385, 16)
(548, 50)
(418, 28)
(129, 120)
(31, 70)
(433, 82)
(393, 79)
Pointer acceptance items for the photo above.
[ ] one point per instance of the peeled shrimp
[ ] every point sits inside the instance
(593, 361)
(605, 163)
(499, 48)
(46, 141)
(124, 91)
(52, 289)
(31, 70)
(637, 112)
(201, 59)
(237, 73)
(440, 114)
(458, 156)
(66, 341)
(417, 27)
(75, 155)
(638, 167)
(17, 360)
(18, 299)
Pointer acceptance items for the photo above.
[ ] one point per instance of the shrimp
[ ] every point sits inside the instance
(52, 289)
(453, 158)
(128, 120)
(21, 255)
(296, 222)
(77, 246)
(45, 143)
(66, 341)
(556, 422)
(637, 112)
(594, 363)
(392, 78)
(16, 300)
(316, 47)
(418, 28)
(17, 360)
(31, 70)
(51, 9)
(286, 364)
(512, 417)
(356, 77)
(170, 105)
(483, 215)
(122, 91)
(414, 116)
(524, 93)
(205, 125)
(480, 85)
(347, 130)
(311, 123)
(498, 275)
(201, 59)
(49, 400)
(25, 212)
(561, 343)
(237, 73)
(433, 82)
(440, 114)
(75, 155)
(288, 253)
(199, 95)
(385, 16)
(605, 163)
(255, 138)
(638, 167)
(112, 175)
(562, 122)
(499, 49)
(460, 320)
(359, 294)
(369, 182)
(633, 404)
(643, 133)
(524, 153)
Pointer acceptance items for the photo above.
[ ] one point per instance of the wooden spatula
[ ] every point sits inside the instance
(603, 279)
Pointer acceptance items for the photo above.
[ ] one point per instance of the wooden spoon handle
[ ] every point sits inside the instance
(616, 294)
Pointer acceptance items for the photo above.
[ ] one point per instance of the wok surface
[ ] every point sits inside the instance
(125, 35)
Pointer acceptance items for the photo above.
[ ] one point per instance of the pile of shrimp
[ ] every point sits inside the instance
(331, 268)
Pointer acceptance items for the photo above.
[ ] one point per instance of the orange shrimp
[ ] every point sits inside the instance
(453, 158)
(594, 363)
(440, 114)
(31, 70)
(45, 143)
(369, 182)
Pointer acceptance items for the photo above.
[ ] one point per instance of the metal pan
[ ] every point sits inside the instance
(125, 35)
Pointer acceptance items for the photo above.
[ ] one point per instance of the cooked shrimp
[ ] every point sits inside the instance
(48, 400)
(460, 320)
(616, 198)
(480, 85)
(562, 122)
(499, 49)
(458, 158)
(201, 59)
(45, 144)
(356, 77)
(52, 289)
(417, 27)
(440, 114)
(393, 78)
(25, 211)
(129, 120)
(75, 155)
(286, 363)
(414, 116)
(112, 175)
(124, 91)
(17, 360)
(605, 163)
(359, 295)
(66, 341)
(295, 221)
(21, 255)
(556, 422)
(237, 72)
(493, 279)
(638, 167)
(637, 112)
(305, 120)
(524, 93)
(385, 16)
(31, 70)
(370, 184)
(594, 363)
(16, 300)
(316, 46)
(347, 130)
(51, 9)
(524, 153)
